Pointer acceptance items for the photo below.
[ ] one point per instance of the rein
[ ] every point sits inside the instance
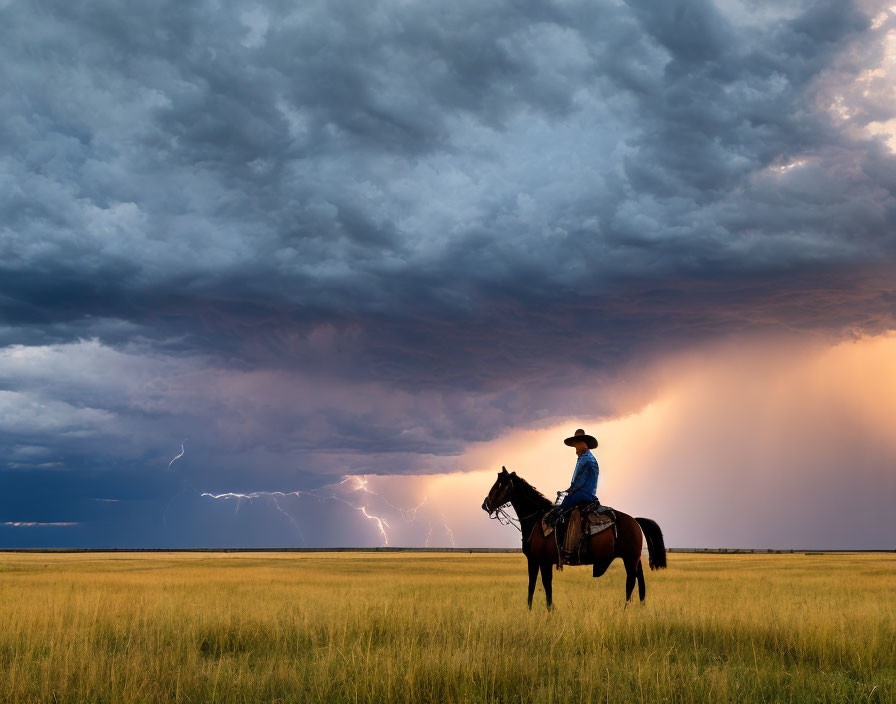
(505, 519)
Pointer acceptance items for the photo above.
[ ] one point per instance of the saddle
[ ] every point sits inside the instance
(573, 531)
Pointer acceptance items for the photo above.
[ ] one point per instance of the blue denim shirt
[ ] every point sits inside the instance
(584, 480)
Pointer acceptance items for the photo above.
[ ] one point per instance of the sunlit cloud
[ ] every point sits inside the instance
(784, 168)
(748, 444)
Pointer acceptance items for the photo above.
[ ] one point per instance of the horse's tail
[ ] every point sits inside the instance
(656, 548)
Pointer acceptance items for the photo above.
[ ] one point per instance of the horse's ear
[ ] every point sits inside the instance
(513, 474)
(503, 470)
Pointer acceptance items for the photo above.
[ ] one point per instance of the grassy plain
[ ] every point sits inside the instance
(362, 627)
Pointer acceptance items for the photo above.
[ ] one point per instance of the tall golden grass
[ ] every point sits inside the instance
(362, 627)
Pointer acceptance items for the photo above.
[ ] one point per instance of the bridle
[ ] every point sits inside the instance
(504, 518)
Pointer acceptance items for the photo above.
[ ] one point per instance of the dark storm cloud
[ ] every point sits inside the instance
(342, 237)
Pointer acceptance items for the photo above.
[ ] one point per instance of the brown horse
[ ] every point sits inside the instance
(531, 505)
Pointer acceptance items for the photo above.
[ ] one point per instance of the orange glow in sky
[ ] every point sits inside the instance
(747, 445)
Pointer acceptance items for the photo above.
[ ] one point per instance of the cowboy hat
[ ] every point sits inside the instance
(589, 440)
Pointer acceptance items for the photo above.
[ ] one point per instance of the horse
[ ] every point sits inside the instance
(531, 506)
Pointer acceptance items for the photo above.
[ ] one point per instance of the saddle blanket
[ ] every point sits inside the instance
(595, 519)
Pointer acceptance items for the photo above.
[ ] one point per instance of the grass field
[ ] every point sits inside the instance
(360, 627)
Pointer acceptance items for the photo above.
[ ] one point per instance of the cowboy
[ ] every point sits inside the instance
(584, 477)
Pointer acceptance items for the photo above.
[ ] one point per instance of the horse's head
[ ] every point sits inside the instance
(499, 494)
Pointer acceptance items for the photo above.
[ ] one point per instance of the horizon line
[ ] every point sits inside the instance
(721, 551)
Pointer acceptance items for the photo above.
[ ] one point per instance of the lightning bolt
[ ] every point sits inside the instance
(177, 457)
(255, 494)
(428, 535)
(448, 530)
(357, 483)
(272, 495)
(412, 512)
(379, 523)
(362, 484)
(288, 516)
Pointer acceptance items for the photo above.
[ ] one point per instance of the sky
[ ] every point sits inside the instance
(279, 274)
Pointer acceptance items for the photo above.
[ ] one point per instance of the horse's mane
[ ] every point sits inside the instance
(532, 493)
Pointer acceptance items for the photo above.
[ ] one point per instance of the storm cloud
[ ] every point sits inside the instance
(354, 238)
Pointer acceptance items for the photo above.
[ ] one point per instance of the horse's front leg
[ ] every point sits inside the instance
(546, 579)
(533, 578)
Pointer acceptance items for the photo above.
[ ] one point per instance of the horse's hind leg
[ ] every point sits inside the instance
(640, 575)
(546, 579)
(533, 578)
(630, 576)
